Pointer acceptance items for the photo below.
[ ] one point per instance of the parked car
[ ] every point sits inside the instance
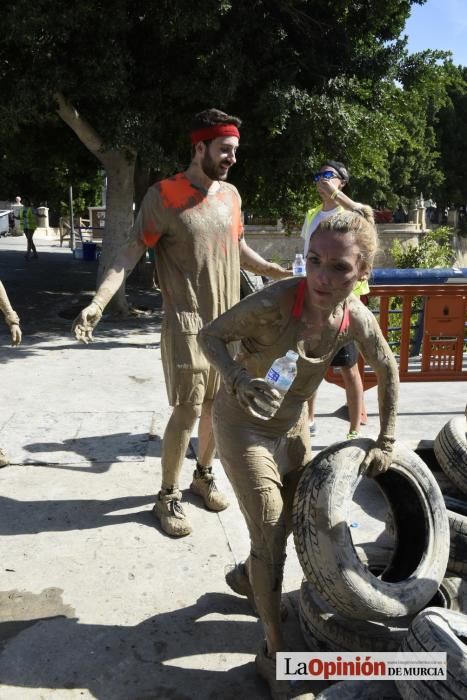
(5, 221)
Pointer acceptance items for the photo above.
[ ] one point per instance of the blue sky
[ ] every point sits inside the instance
(439, 24)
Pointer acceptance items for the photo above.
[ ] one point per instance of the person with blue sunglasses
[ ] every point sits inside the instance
(330, 180)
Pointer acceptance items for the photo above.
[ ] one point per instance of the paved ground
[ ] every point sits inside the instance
(95, 602)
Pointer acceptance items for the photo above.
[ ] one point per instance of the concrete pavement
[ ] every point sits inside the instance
(96, 602)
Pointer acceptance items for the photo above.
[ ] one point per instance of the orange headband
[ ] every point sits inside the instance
(213, 132)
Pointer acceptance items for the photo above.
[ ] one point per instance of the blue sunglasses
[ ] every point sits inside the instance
(326, 175)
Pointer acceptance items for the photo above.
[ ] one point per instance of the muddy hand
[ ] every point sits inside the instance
(16, 334)
(256, 397)
(377, 461)
(85, 322)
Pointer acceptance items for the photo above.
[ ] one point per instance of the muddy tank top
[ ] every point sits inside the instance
(257, 358)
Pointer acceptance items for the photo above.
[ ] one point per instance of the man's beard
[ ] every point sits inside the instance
(211, 170)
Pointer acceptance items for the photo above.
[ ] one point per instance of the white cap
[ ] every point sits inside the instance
(292, 355)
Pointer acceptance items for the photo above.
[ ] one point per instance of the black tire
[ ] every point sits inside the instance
(457, 516)
(324, 629)
(324, 543)
(360, 690)
(374, 556)
(435, 629)
(249, 283)
(453, 592)
(446, 485)
(450, 448)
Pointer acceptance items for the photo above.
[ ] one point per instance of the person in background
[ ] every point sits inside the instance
(264, 444)
(27, 216)
(194, 220)
(330, 181)
(12, 321)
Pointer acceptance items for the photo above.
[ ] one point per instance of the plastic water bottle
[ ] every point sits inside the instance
(298, 267)
(282, 373)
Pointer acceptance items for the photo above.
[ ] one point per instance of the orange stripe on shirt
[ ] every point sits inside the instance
(150, 238)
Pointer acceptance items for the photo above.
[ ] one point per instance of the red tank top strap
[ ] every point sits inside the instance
(345, 320)
(299, 299)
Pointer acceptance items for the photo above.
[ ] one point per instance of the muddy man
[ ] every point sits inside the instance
(194, 220)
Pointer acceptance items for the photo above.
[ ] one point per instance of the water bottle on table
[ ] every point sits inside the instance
(299, 266)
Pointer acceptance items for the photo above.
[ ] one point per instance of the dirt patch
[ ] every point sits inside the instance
(23, 609)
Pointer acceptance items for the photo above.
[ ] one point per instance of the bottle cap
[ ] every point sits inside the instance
(292, 355)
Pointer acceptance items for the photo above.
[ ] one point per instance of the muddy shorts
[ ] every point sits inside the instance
(264, 469)
(346, 356)
(189, 378)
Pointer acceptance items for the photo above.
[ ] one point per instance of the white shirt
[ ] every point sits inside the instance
(309, 228)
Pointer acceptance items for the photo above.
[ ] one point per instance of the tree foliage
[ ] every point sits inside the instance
(42, 161)
(451, 132)
(305, 77)
(433, 250)
(311, 79)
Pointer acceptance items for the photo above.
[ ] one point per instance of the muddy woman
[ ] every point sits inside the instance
(264, 444)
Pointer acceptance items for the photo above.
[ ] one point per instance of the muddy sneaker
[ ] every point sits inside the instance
(168, 510)
(204, 485)
(3, 458)
(280, 690)
(237, 580)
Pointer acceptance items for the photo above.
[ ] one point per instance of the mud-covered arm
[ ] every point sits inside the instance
(258, 316)
(255, 263)
(11, 317)
(379, 356)
(122, 265)
(145, 232)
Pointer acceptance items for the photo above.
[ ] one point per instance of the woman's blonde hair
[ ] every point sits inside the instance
(361, 224)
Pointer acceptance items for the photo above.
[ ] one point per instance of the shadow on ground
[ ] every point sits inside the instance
(156, 659)
(32, 517)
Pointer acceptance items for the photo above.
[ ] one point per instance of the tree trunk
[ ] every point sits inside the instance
(143, 274)
(120, 169)
(118, 218)
(141, 182)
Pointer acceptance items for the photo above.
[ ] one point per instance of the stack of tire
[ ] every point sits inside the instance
(406, 603)
(450, 448)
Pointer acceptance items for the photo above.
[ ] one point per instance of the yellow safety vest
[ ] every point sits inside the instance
(27, 218)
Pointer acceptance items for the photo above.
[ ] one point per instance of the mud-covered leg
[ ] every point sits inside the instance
(204, 483)
(168, 509)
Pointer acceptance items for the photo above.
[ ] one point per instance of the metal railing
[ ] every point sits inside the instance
(428, 337)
